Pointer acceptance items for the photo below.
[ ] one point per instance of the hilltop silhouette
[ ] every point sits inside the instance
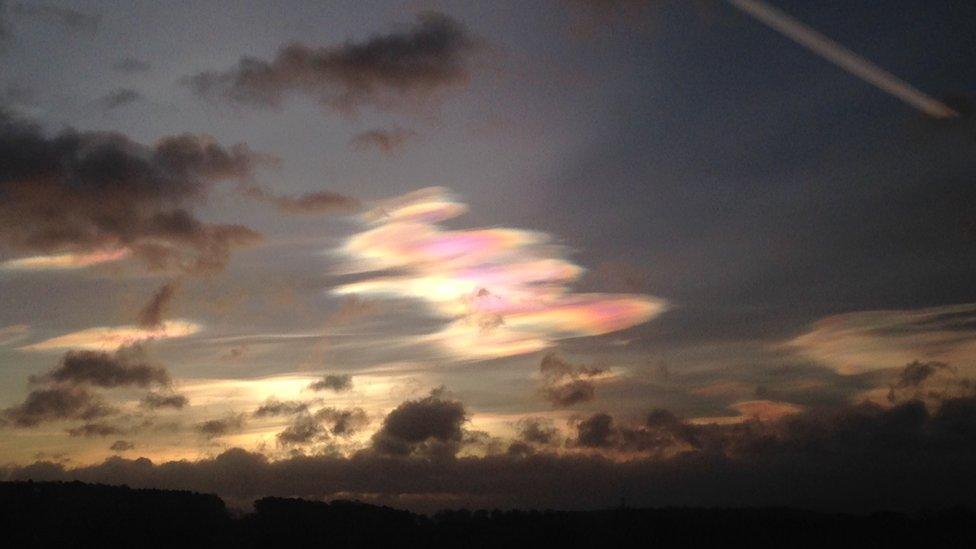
(74, 514)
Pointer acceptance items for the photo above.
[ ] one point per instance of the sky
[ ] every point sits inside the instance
(541, 254)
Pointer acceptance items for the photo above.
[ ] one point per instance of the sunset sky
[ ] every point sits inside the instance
(546, 253)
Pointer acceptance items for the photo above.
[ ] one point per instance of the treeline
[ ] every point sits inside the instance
(50, 514)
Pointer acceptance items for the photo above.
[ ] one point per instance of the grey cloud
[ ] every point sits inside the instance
(311, 203)
(274, 407)
(154, 312)
(333, 382)
(131, 65)
(155, 401)
(67, 17)
(215, 428)
(915, 373)
(861, 458)
(88, 191)
(430, 424)
(121, 446)
(308, 428)
(536, 431)
(94, 430)
(385, 70)
(125, 367)
(565, 384)
(119, 98)
(57, 403)
(387, 141)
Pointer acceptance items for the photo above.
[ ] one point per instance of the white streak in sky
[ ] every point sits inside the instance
(843, 57)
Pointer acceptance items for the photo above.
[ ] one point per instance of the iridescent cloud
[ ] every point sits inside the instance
(63, 261)
(500, 291)
(111, 338)
(859, 342)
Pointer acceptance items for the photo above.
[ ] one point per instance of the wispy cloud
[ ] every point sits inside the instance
(111, 338)
(63, 261)
(860, 342)
(501, 291)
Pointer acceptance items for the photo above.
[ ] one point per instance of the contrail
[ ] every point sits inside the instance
(843, 57)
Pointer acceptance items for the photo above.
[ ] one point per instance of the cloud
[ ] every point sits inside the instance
(859, 458)
(536, 431)
(131, 65)
(215, 428)
(384, 71)
(153, 312)
(119, 98)
(113, 338)
(126, 367)
(865, 341)
(389, 141)
(121, 446)
(94, 430)
(501, 291)
(274, 407)
(155, 401)
(333, 382)
(63, 261)
(13, 333)
(915, 373)
(307, 204)
(66, 17)
(432, 424)
(565, 384)
(92, 192)
(57, 403)
(308, 428)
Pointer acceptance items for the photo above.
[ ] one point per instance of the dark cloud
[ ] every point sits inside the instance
(119, 98)
(333, 382)
(125, 367)
(915, 373)
(131, 65)
(343, 422)
(83, 192)
(67, 17)
(154, 312)
(389, 141)
(308, 428)
(595, 432)
(565, 384)
(536, 431)
(121, 446)
(57, 403)
(155, 401)
(304, 429)
(429, 425)
(274, 407)
(311, 203)
(380, 72)
(861, 458)
(95, 429)
(215, 428)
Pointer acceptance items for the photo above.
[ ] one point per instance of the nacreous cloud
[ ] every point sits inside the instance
(502, 291)
(112, 338)
(864, 341)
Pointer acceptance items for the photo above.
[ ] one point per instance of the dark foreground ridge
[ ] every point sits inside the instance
(74, 514)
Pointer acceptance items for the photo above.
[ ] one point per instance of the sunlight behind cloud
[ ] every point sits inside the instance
(503, 291)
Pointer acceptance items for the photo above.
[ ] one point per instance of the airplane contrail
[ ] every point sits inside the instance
(843, 57)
